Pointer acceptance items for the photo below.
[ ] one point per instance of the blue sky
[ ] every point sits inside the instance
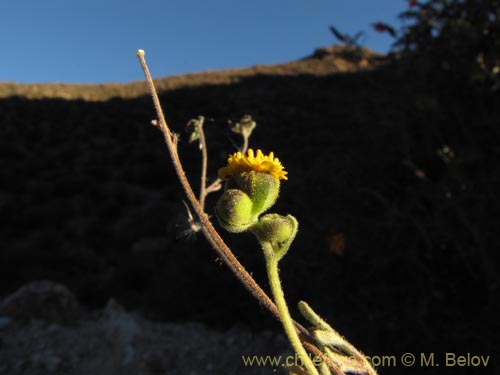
(93, 41)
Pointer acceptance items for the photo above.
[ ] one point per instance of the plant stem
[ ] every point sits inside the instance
(244, 148)
(204, 158)
(286, 319)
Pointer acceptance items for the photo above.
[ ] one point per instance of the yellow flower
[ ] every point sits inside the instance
(258, 162)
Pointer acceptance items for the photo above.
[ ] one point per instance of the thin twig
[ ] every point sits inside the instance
(244, 148)
(197, 124)
(214, 186)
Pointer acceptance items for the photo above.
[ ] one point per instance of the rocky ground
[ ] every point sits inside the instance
(44, 331)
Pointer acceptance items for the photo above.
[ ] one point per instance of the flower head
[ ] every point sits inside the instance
(257, 162)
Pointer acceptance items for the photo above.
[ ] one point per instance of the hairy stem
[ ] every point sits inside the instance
(286, 319)
(244, 147)
(214, 186)
(204, 161)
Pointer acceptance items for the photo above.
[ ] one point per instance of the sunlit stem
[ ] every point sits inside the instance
(214, 186)
(244, 148)
(286, 319)
(204, 161)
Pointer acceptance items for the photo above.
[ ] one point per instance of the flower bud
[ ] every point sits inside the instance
(262, 188)
(234, 211)
(277, 231)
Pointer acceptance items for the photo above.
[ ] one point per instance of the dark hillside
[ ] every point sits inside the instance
(395, 183)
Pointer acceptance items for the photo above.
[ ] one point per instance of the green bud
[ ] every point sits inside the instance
(262, 188)
(234, 211)
(276, 231)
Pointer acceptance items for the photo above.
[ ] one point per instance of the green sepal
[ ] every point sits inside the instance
(234, 211)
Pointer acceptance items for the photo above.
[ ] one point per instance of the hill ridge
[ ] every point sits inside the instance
(323, 61)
